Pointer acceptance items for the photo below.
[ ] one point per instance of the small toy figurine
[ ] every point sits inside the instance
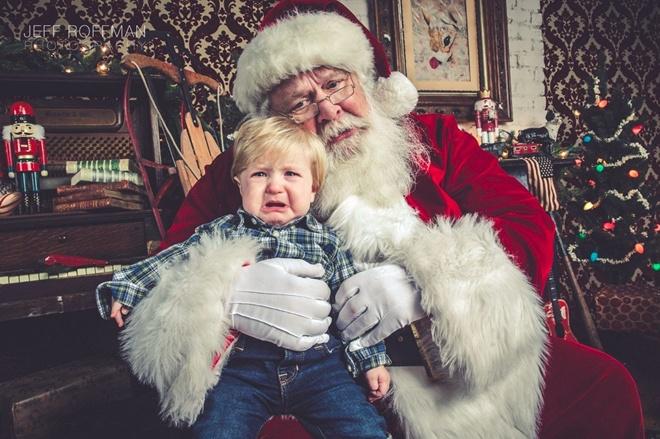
(485, 118)
(25, 153)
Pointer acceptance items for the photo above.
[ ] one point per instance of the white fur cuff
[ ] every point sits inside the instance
(487, 321)
(173, 334)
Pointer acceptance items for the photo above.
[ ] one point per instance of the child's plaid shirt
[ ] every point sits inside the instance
(304, 238)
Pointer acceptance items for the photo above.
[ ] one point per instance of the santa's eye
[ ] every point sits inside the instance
(300, 106)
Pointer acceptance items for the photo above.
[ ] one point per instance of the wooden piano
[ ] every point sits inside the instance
(29, 289)
(58, 358)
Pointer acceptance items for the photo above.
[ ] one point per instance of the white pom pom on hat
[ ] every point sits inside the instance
(300, 35)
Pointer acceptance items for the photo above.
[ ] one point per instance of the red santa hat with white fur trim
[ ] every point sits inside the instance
(299, 35)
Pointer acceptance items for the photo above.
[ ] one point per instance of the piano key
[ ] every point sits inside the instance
(34, 277)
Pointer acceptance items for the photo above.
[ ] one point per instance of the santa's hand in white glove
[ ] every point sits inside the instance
(375, 303)
(282, 301)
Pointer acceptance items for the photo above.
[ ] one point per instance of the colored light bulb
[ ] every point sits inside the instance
(656, 266)
(578, 162)
(609, 226)
(102, 68)
(600, 167)
(593, 257)
(591, 183)
(587, 138)
(588, 205)
(582, 235)
(639, 248)
(633, 173)
(637, 129)
(602, 103)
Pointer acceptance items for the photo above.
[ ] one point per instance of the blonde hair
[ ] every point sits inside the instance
(277, 135)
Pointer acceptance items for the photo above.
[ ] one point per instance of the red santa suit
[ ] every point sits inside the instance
(477, 244)
(585, 392)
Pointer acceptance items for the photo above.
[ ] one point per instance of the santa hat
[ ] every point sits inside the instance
(299, 35)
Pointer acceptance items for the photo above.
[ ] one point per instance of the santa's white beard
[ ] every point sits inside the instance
(377, 164)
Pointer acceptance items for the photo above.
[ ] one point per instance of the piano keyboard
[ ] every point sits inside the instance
(34, 277)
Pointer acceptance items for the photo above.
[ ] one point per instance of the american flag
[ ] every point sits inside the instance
(541, 183)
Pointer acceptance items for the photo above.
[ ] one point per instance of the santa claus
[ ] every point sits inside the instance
(441, 230)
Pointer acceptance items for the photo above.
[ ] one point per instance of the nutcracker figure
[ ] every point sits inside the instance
(25, 153)
(485, 118)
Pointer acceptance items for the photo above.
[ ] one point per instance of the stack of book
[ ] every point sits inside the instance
(119, 195)
(97, 171)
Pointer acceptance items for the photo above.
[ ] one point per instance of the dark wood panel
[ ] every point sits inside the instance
(24, 249)
(42, 220)
(55, 296)
(44, 306)
(39, 404)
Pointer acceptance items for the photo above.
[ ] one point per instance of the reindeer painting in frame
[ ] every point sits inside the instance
(440, 39)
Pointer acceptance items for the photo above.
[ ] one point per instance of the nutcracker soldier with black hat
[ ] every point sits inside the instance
(25, 153)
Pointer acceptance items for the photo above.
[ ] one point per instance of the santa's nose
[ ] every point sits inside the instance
(328, 111)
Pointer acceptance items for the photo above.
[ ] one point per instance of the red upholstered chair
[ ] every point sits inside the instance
(279, 427)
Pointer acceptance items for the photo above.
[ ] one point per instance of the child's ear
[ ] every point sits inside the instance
(237, 181)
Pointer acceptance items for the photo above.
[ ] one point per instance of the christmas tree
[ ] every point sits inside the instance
(617, 232)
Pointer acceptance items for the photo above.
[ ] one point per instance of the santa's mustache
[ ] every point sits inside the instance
(346, 122)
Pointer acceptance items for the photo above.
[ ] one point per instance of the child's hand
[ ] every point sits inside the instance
(378, 380)
(117, 312)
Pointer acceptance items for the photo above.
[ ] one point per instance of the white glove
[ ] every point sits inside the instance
(375, 303)
(282, 301)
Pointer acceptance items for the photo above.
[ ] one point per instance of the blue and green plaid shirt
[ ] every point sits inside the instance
(304, 238)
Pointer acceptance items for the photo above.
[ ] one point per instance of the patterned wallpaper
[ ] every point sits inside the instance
(212, 31)
(575, 34)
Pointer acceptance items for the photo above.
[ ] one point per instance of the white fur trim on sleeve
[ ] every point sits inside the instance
(172, 334)
(488, 323)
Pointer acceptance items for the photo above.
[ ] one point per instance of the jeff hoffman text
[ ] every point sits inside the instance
(84, 31)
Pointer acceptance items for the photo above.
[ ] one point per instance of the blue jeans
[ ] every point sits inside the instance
(261, 380)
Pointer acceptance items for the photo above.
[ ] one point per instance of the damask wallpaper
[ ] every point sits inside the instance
(625, 33)
(212, 31)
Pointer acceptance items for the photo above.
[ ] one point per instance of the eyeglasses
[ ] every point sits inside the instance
(306, 109)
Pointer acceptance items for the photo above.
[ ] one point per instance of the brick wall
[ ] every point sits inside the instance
(526, 63)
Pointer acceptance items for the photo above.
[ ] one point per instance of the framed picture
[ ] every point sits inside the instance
(440, 44)
(450, 50)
